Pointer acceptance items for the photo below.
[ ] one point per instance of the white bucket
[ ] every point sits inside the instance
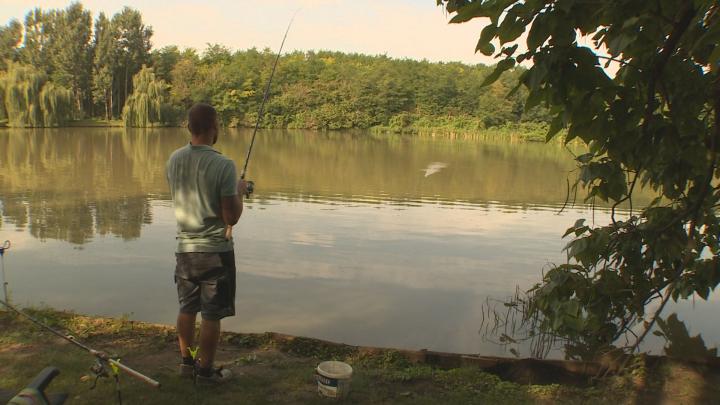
(333, 379)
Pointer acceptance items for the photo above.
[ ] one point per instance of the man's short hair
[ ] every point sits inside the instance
(201, 118)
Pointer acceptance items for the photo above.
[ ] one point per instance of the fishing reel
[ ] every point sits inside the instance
(250, 188)
(98, 370)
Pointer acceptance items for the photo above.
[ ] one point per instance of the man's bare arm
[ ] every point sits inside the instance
(232, 208)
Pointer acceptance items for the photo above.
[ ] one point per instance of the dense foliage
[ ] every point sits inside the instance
(654, 123)
(28, 99)
(318, 90)
(144, 108)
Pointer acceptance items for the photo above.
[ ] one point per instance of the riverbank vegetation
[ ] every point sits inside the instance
(107, 69)
(278, 370)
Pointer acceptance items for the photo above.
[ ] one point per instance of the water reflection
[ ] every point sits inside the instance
(72, 184)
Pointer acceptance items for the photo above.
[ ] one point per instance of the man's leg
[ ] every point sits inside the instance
(209, 339)
(186, 333)
(189, 299)
(217, 302)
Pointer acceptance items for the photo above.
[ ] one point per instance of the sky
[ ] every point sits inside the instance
(416, 29)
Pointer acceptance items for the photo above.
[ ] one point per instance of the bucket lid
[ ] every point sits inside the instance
(335, 369)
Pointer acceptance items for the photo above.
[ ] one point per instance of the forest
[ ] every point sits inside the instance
(64, 67)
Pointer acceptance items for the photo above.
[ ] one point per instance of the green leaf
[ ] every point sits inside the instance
(485, 48)
(510, 50)
(484, 45)
(534, 77)
(533, 99)
(502, 66)
(510, 29)
(468, 12)
(555, 126)
(539, 32)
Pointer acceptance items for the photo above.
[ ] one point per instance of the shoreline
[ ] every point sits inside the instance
(524, 132)
(278, 368)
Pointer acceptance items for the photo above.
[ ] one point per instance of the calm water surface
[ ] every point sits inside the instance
(346, 239)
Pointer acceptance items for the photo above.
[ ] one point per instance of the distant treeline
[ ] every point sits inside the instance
(60, 66)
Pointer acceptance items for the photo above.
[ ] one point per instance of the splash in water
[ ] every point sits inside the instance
(433, 168)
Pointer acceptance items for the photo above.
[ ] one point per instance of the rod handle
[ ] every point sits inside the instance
(135, 374)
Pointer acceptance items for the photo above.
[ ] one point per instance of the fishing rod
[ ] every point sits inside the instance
(250, 184)
(266, 95)
(5, 246)
(101, 357)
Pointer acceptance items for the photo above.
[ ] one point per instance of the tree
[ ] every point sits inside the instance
(216, 54)
(70, 51)
(144, 107)
(30, 100)
(37, 42)
(164, 60)
(133, 48)
(655, 123)
(183, 76)
(10, 38)
(104, 63)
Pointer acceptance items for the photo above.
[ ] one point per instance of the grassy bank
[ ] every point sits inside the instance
(274, 370)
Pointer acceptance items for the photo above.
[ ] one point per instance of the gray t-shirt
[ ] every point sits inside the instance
(199, 176)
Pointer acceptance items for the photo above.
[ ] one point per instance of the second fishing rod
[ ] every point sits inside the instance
(266, 94)
(105, 364)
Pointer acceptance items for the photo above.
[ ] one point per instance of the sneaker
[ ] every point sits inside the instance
(186, 370)
(217, 376)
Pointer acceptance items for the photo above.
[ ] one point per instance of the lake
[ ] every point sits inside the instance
(376, 240)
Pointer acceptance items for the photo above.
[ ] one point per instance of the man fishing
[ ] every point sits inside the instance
(208, 200)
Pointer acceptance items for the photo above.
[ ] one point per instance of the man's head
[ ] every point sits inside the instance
(202, 122)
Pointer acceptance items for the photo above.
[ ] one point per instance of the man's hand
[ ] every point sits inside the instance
(242, 188)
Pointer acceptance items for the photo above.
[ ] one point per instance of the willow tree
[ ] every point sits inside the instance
(655, 122)
(55, 104)
(30, 100)
(144, 106)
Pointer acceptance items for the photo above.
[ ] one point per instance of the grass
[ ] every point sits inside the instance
(280, 371)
